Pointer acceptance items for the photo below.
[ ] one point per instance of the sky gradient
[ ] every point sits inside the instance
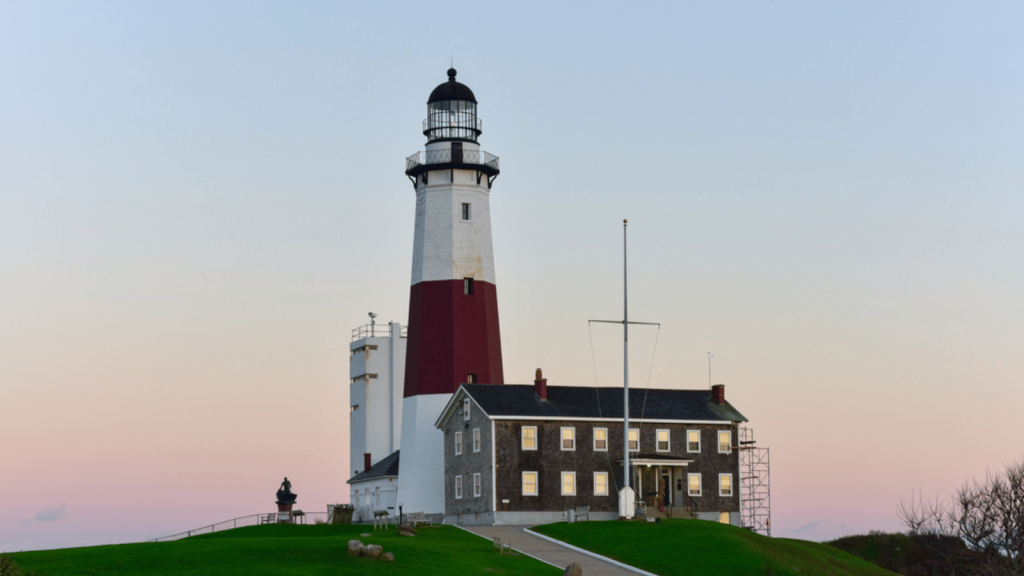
(199, 202)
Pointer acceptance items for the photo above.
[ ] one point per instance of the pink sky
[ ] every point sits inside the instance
(198, 205)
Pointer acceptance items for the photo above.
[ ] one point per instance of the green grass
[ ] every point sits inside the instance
(696, 547)
(289, 549)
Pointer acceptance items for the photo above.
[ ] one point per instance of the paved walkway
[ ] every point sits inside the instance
(548, 551)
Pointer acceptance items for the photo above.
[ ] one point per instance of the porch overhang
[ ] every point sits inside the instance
(658, 461)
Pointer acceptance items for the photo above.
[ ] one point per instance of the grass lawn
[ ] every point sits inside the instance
(290, 549)
(697, 547)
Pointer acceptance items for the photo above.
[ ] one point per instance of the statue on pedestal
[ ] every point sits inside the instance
(284, 493)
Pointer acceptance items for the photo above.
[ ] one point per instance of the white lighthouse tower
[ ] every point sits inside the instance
(453, 335)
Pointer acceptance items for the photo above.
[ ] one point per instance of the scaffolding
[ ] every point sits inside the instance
(755, 485)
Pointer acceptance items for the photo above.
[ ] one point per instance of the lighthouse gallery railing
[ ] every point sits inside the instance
(478, 157)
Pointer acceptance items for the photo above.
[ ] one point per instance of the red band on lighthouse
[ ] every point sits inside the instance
(453, 337)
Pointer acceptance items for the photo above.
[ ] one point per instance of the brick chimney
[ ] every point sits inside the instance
(718, 394)
(366, 462)
(540, 385)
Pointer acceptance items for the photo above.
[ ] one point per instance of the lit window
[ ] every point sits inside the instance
(458, 487)
(568, 483)
(529, 483)
(725, 441)
(601, 439)
(693, 440)
(568, 438)
(466, 212)
(476, 485)
(458, 443)
(723, 517)
(634, 439)
(467, 286)
(693, 484)
(465, 409)
(476, 440)
(470, 378)
(725, 484)
(600, 483)
(529, 437)
(663, 441)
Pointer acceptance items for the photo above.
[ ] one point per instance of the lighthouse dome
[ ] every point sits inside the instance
(451, 90)
(451, 113)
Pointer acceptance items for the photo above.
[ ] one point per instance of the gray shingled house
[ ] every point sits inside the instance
(521, 454)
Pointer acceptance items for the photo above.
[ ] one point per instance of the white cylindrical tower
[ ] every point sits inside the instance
(453, 306)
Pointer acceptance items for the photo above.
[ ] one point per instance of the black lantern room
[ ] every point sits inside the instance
(451, 113)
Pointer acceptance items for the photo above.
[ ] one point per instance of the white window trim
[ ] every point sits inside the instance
(478, 439)
(700, 484)
(477, 485)
(606, 490)
(688, 450)
(637, 449)
(522, 438)
(465, 409)
(561, 486)
(458, 487)
(605, 449)
(561, 438)
(728, 450)
(536, 483)
(720, 491)
(657, 441)
(458, 443)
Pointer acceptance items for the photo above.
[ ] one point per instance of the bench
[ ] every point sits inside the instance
(416, 518)
(582, 512)
(268, 519)
(501, 547)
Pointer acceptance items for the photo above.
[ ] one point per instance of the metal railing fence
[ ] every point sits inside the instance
(377, 331)
(478, 157)
(241, 521)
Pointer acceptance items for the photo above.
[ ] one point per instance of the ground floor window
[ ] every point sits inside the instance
(568, 483)
(725, 484)
(458, 487)
(600, 483)
(476, 485)
(693, 484)
(529, 483)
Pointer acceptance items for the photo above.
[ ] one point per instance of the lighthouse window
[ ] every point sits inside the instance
(467, 286)
(466, 214)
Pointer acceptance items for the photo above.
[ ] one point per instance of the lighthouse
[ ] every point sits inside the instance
(453, 335)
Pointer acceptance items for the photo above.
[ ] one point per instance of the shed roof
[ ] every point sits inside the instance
(591, 402)
(386, 467)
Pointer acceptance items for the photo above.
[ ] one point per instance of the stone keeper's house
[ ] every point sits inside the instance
(527, 454)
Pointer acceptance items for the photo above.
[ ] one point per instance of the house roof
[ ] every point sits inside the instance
(590, 402)
(386, 467)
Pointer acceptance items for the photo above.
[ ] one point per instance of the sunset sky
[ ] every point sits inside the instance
(199, 201)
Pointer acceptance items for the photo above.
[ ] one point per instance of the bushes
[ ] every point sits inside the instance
(987, 517)
(8, 567)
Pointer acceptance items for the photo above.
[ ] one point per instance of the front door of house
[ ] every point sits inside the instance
(666, 489)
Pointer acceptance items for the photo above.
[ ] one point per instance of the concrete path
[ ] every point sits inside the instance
(548, 551)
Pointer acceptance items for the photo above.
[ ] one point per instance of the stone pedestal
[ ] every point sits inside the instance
(284, 513)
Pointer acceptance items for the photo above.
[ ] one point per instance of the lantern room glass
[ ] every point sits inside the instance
(452, 120)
